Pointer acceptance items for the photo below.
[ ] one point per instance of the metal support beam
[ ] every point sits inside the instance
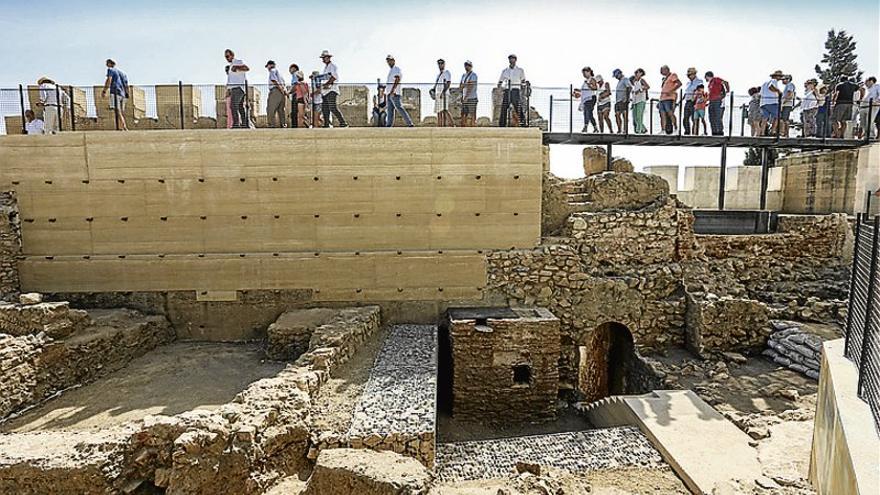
(722, 177)
(608, 158)
(765, 177)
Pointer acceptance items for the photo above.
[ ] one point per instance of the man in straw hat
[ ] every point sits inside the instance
(328, 80)
(51, 99)
(770, 93)
(689, 89)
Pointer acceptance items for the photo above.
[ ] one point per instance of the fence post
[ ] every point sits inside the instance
(722, 177)
(550, 122)
(58, 114)
(680, 111)
(528, 104)
(115, 109)
(765, 175)
(870, 124)
(742, 124)
(651, 116)
(778, 116)
(72, 109)
(827, 105)
(180, 99)
(507, 111)
(609, 159)
(21, 103)
(729, 118)
(570, 110)
(852, 286)
(866, 338)
(247, 107)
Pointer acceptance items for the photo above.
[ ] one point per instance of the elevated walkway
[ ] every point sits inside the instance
(708, 452)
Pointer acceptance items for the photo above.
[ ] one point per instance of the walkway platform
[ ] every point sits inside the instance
(578, 138)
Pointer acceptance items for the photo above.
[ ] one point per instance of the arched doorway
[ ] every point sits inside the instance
(605, 357)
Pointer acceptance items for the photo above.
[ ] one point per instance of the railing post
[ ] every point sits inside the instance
(247, 107)
(866, 338)
(528, 104)
(509, 105)
(827, 111)
(115, 110)
(680, 111)
(852, 285)
(609, 158)
(550, 121)
(651, 116)
(21, 103)
(870, 124)
(742, 124)
(778, 116)
(570, 110)
(72, 109)
(180, 98)
(722, 177)
(765, 177)
(58, 113)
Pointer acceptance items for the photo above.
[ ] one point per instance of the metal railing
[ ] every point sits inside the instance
(863, 317)
(555, 109)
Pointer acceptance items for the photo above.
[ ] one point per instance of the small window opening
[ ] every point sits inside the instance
(522, 374)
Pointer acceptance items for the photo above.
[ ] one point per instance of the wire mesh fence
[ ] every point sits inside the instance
(863, 318)
(554, 109)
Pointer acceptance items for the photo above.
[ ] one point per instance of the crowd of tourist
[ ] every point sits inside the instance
(824, 111)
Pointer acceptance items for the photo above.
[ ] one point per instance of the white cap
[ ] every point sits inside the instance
(389, 57)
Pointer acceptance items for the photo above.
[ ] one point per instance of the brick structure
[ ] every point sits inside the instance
(504, 368)
(10, 246)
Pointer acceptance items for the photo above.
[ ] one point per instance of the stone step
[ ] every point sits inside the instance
(580, 207)
(575, 197)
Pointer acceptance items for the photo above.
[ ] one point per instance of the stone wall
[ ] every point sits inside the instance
(55, 319)
(505, 370)
(10, 246)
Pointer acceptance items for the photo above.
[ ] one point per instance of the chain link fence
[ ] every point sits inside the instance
(863, 318)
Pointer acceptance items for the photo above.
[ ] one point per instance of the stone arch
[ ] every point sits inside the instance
(604, 357)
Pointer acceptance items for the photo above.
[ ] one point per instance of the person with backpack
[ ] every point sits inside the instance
(440, 94)
(717, 91)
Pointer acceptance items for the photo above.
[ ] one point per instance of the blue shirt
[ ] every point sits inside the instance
(118, 82)
(691, 87)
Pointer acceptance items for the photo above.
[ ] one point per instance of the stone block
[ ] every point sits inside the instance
(366, 472)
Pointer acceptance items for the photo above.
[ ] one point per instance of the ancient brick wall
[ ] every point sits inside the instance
(505, 369)
(10, 246)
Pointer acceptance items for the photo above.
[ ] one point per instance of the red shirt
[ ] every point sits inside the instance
(716, 88)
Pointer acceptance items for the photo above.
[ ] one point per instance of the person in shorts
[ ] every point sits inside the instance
(869, 106)
(842, 101)
(701, 101)
(789, 93)
(770, 94)
(441, 95)
(603, 105)
(622, 95)
(469, 100)
(668, 94)
(117, 84)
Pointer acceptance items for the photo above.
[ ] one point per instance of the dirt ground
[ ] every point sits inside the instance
(608, 482)
(332, 409)
(452, 430)
(170, 380)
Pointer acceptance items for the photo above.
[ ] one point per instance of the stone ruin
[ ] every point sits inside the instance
(619, 275)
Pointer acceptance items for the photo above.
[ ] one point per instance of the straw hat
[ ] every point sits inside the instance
(778, 73)
(45, 79)
(325, 53)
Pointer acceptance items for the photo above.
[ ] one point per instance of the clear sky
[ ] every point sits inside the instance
(166, 41)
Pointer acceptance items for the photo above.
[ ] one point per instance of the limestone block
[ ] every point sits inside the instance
(30, 298)
(627, 191)
(595, 162)
(135, 105)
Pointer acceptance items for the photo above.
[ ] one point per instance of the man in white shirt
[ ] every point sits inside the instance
(236, 83)
(469, 98)
(276, 103)
(49, 101)
(394, 90)
(770, 94)
(869, 107)
(32, 125)
(329, 79)
(441, 95)
(693, 82)
(512, 79)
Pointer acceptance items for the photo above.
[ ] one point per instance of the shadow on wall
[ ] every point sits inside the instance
(607, 363)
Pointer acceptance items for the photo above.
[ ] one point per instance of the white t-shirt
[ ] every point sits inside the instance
(48, 94)
(604, 100)
(788, 95)
(586, 91)
(639, 93)
(516, 76)
(274, 75)
(810, 101)
(470, 90)
(768, 97)
(392, 73)
(330, 70)
(442, 79)
(872, 93)
(34, 127)
(620, 95)
(236, 79)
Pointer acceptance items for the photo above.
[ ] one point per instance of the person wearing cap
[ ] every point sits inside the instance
(717, 90)
(117, 83)
(468, 86)
(640, 88)
(49, 102)
(317, 99)
(512, 80)
(236, 82)
(789, 93)
(809, 107)
(668, 95)
(440, 94)
(689, 89)
(587, 94)
(329, 80)
(380, 106)
(299, 95)
(276, 103)
(394, 77)
(621, 101)
(770, 94)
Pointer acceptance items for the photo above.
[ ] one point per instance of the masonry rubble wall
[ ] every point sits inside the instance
(505, 369)
(10, 246)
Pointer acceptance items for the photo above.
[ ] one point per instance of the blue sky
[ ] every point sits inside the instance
(166, 41)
